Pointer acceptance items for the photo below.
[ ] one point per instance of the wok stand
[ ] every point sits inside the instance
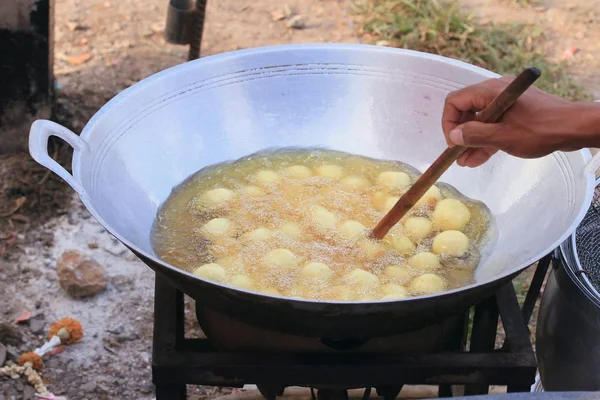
(177, 361)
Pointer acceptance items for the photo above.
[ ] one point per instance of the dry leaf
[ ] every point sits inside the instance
(80, 59)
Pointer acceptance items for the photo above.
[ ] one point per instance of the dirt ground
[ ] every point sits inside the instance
(101, 48)
(572, 27)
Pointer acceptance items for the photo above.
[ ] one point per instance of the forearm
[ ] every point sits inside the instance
(586, 122)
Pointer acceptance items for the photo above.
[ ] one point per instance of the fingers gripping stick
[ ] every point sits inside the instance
(489, 114)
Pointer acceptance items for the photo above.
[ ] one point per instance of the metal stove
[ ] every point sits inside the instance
(472, 361)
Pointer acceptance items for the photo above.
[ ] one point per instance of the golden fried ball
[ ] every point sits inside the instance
(451, 214)
(212, 272)
(267, 176)
(331, 171)
(215, 198)
(424, 261)
(257, 234)
(291, 229)
(418, 228)
(393, 180)
(454, 243)
(298, 172)
(427, 284)
(339, 293)
(253, 191)
(281, 258)
(378, 200)
(371, 248)
(216, 228)
(351, 229)
(401, 243)
(228, 261)
(361, 278)
(354, 182)
(394, 289)
(398, 274)
(431, 197)
(323, 218)
(241, 281)
(316, 271)
(390, 203)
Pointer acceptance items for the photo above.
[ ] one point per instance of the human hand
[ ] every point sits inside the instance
(536, 125)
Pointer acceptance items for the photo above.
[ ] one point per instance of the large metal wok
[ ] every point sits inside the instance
(374, 101)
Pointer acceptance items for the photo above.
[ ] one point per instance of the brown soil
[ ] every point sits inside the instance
(568, 25)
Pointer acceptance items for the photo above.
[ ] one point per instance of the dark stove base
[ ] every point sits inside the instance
(178, 361)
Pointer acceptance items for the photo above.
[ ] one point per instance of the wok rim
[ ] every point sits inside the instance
(152, 79)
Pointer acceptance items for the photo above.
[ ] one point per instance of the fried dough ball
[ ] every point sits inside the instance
(281, 258)
(398, 291)
(424, 261)
(241, 281)
(401, 243)
(354, 182)
(298, 172)
(451, 214)
(215, 198)
(291, 229)
(378, 200)
(393, 180)
(330, 171)
(267, 176)
(217, 228)
(253, 191)
(371, 248)
(427, 284)
(418, 228)
(316, 271)
(454, 243)
(351, 229)
(257, 234)
(398, 274)
(390, 203)
(360, 278)
(228, 261)
(339, 293)
(212, 272)
(431, 197)
(323, 218)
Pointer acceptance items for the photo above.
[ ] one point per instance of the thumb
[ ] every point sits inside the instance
(475, 134)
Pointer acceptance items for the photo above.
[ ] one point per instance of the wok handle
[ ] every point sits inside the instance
(39, 134)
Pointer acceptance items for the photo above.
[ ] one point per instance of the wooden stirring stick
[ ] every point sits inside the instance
(490, 114)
